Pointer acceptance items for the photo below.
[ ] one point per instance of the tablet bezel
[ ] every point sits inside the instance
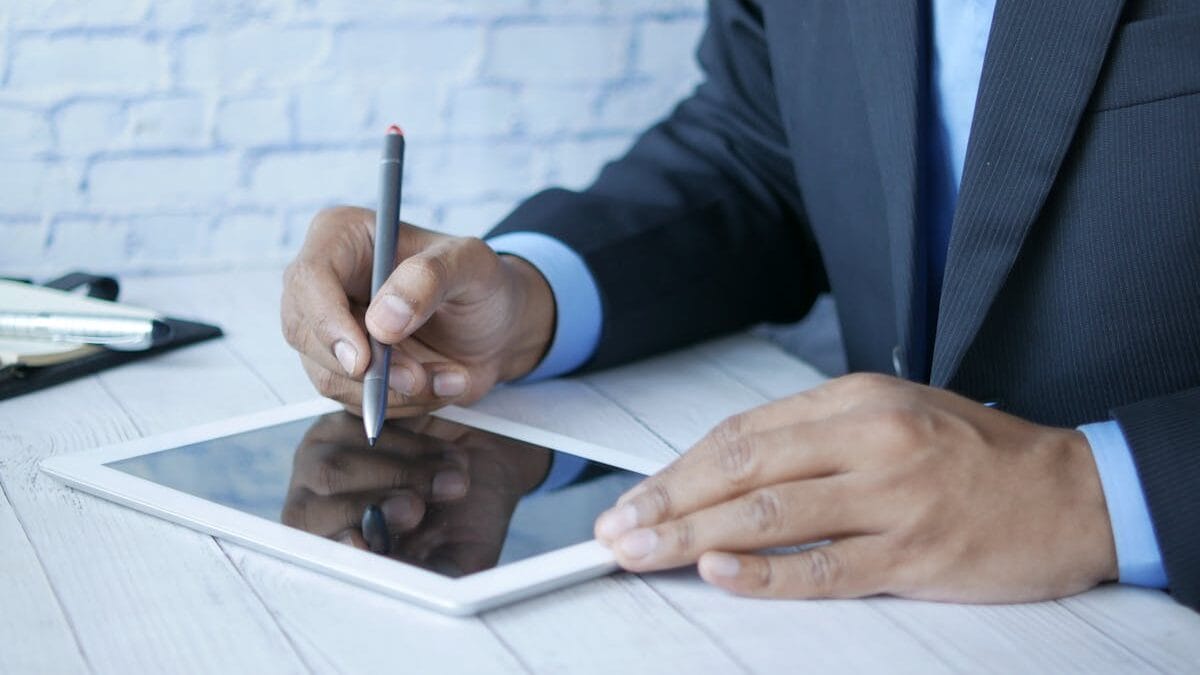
(462, 596)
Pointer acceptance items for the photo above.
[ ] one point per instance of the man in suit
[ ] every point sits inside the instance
(1005, 201)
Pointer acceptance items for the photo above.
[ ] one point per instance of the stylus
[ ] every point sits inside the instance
(387, 227)
(123, 333)
(375, 530)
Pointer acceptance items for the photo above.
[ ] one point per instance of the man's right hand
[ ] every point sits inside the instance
(460, 317)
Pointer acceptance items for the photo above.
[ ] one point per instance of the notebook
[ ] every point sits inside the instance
(27, 366)
(19, 297)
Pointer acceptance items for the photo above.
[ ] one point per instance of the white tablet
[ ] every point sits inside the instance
(458, 511)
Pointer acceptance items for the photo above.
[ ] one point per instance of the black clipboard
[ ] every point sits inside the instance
(19, 380)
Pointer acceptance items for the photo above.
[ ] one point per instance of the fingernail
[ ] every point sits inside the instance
(638, 544)
(449, 384)
(449, 484)
(395, 314)
(403, 381)
(346, 355)
(719, 565)
(616, 522)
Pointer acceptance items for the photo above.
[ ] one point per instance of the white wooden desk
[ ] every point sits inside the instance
(92, 586)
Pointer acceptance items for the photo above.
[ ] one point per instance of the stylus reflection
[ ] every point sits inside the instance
(450, 498)
(445, 492)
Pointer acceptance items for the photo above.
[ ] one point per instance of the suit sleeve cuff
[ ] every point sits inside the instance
(578, 313)
(1139, 560)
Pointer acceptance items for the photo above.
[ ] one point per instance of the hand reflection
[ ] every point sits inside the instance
(446, 491)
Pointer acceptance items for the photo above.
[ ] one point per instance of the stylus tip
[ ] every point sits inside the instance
(371, 441)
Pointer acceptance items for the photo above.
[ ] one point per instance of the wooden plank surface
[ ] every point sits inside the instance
(142, 595)
(31, 614)
(112, 589)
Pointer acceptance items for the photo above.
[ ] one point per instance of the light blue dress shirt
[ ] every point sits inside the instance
(960, 33)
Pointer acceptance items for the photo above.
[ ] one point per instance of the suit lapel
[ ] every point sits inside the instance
(1042, 61)
(889, 58)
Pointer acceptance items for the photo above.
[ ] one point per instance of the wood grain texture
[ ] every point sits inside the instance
(144, 594)
(31, 615)
(340, 628)
(1160, 631)
(612, 625)
(1033, 637)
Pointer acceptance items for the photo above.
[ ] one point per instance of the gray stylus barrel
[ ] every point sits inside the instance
(387, 229)
(387, 217)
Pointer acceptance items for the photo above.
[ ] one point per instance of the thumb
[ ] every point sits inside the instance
(421, 283)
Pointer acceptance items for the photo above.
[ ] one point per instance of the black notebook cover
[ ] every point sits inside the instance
(25, 379)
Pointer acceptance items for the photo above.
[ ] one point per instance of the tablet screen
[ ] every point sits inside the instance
(447, 497)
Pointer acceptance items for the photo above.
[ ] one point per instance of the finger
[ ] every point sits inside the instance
(780, 515)
(318, 320)
(331, 470)
(720, 472)
(849, 568)
(447, 269)
(351, 536)
(437, 380)
(822, 402)
(348, 391)
(722, 445)
(396, 412)
(420, 543)
(329, 515)
(465, 557)
(723, 450)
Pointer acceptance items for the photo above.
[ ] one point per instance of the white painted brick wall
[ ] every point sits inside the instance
(149, 135)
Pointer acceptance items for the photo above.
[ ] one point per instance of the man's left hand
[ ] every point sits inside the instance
(915, 491)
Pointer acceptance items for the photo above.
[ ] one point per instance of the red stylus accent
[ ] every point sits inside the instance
(395, 129)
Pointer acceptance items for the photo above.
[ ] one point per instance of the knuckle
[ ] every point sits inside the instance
(331, 475)
(658, 500)
(865, 384)
(324, 327)
(683, 536)
(731, 428)
(327, 214)
(822, 570)
(335, 216)
(430, 270)
(900, 424)
(293, 332)
(291, 275)
(764, 511)
(475, 248)
(293, 514)
(327, 382)
(400, 477)
(739, 460)
(763, 575)
(352, 513)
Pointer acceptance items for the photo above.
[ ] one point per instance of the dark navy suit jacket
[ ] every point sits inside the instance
(1072, 283)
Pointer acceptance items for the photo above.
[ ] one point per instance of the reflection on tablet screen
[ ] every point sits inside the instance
(437, 494)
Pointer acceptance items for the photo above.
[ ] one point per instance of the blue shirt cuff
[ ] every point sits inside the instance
(564, 470)
(1139, 560)
(578, 313)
